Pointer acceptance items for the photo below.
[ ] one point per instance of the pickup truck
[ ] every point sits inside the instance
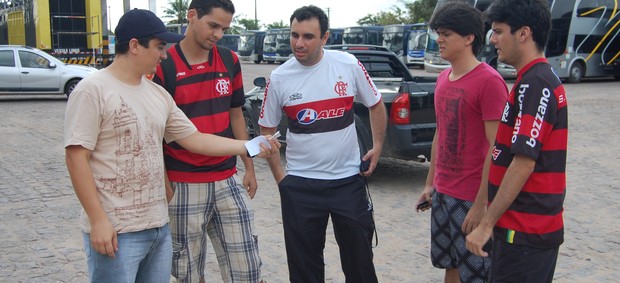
(409, 102)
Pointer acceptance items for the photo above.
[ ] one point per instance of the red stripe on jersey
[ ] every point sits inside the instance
(206, 90)
(208, 124)
(556, 140)
(214, 176)
(534, 127)
(504, 139)
(545, 183)
(345, 102)
(193, 158)
(535, 223)
(498, 174)
(560, 95)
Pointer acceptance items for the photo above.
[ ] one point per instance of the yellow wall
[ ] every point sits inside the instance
(93, 23)
(17, 33)
(41, 15)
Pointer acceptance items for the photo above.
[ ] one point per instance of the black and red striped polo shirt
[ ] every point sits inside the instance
(534, 124)
(206, 94)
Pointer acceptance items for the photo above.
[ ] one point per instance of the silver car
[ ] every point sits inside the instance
(27, 70)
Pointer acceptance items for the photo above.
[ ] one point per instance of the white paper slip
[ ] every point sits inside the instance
(253, 145)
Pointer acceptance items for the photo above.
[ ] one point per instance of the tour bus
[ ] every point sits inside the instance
(335, 36)
(418, 36)
(231, 41)
(585, 39)
(177, 28)
(403, 39)
(283, 45)
(269, 46)
(251, 46)
(363, 35)
(432, 61)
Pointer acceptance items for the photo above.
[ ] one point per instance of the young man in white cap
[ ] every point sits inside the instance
(115, 122)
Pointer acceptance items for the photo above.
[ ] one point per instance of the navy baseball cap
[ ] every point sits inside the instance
(139, 23)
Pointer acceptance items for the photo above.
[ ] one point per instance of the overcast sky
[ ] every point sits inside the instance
(342, 13)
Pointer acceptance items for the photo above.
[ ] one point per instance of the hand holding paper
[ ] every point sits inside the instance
(253, 146)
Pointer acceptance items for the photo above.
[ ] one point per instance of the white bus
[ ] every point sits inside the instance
(585, 39)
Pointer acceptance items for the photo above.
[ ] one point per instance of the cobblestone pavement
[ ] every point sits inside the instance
(39, 211)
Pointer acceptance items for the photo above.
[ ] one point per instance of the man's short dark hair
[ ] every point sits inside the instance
(204, 7)
(463, 19)
(123, 47)
(519, 13)
(308, 12)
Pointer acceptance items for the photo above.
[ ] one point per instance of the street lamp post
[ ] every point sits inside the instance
(255, 17)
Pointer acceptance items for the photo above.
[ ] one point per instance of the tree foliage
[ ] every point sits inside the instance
(248, 24)
(279, 24)
(414, 11)
(177, 10)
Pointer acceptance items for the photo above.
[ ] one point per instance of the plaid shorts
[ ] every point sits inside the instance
(221, 210)
(448, 240)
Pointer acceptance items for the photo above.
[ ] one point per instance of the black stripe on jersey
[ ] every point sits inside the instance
(199, 78)
(186, 167)
(547, 240)
(206, 107)
(533, 203)
(228, 133)
(549, 159)
(322, 125)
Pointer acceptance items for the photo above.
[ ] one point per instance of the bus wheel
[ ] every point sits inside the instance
(576, 73)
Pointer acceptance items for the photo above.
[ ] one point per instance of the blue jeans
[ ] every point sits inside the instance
(144, 256)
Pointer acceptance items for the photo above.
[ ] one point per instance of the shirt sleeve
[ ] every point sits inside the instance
(83, 119)
(493, 95)
(271, 108)
(536, 115)
(367, 92)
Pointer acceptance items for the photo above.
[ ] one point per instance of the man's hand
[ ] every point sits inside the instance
(249, 182)
(477, 239)
(103, 238)
(426, 195)
(372, 155)
(473, 218)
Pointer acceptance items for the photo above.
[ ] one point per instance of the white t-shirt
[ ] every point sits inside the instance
(124, 127)
(318, 101)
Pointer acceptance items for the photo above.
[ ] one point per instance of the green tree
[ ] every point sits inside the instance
(279, 24)
(420, 10)
(177, 10)
(248, 24)
(415, 11)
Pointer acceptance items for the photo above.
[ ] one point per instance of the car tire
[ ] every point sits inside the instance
(250, 125)
(70, 86)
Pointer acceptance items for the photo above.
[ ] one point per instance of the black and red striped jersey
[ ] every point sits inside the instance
(206, 94)
(534, 124)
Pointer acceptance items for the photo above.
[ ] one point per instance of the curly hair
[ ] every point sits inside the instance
(519, 13)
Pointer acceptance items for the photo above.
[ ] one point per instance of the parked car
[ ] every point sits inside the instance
(27, 70)
(408, 100)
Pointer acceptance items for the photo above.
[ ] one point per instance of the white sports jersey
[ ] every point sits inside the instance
(318, 102)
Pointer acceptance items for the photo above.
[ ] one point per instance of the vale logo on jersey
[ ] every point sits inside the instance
(308, 116)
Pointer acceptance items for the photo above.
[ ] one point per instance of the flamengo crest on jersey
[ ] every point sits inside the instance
(222, 85)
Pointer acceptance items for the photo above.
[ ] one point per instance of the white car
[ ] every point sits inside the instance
(27, 70)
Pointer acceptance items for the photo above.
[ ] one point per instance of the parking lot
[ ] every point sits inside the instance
(39, 211)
